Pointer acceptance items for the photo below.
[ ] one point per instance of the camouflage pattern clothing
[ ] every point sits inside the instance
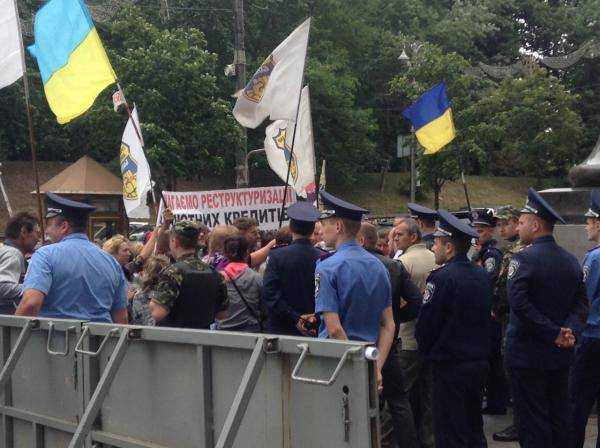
(500, 305)
(171, 278)
(139, 310)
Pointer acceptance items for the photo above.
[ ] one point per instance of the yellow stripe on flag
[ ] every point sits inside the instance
(73, 89)
(437, 134)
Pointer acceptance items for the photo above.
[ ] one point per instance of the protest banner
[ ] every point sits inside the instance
(222, 207)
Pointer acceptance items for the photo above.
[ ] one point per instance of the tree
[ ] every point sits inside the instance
(527, 126)
(170, 75)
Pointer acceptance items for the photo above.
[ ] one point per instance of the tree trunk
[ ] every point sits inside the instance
(436, 197)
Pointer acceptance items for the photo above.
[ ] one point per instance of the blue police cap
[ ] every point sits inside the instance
(536, 205)
(450, 225)
(303, 211)
(420, 211)
(484, 217)
(335, 207)
(594, 211)
(59, 206)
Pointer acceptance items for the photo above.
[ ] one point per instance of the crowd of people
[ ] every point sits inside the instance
(464, 325)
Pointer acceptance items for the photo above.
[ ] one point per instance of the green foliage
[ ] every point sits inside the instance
(527, 126)
(172, 69)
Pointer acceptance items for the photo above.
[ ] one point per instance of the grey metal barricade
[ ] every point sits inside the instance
(75, 384)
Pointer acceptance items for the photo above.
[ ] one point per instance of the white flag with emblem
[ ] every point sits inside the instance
(11, 65)
(278, 145)
(135, 170)
(274, 90)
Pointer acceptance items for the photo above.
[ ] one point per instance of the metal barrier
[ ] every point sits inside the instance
(68, 383)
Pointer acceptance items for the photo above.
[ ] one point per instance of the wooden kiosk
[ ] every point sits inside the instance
(88, 181)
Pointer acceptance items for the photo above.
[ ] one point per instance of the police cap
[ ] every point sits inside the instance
(420, 211)
(187, 229)
(594, 211)
(303, 211)
(335, 207)
(59, 206)
(451, 226)
(536, 205)
(484, 217)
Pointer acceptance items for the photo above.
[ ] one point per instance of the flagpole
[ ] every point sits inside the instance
(139, 136)
(287, 177)
(32, 142)
(464, 181)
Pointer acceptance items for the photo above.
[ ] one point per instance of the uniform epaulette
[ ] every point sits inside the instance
(279, 246)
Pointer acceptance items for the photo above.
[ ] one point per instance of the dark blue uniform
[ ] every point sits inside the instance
(545, 293)
(289, 285)
(490, 258)
(584, 388)
(452, 333)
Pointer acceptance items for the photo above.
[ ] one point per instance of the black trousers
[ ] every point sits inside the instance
(584, 389)
(541, 405)
(457, 394)
(496, 384)
(394, 393)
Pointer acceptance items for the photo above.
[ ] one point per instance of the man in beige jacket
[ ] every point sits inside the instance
(419, 262)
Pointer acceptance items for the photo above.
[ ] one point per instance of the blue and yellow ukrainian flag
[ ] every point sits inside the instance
(431, 117)
(72, 61)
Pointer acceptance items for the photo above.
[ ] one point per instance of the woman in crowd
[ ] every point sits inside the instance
(138, 306)
(216, 241)
(118, 247)
(244, 289)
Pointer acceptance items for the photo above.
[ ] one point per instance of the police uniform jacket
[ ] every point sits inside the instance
(289, 285)
(591, 277)
(545, 292)
(454, 318)
(490, 259)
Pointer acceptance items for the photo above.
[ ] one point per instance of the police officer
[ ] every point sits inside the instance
(547, 303)
(288, 286)
(352, 287)
(73, 278)
(507, 220)
(189, 293)
(584, 387)
(452, 333)
(426, 218)
(490, 258)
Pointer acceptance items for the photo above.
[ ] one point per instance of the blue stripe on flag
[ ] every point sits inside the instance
(60, 27)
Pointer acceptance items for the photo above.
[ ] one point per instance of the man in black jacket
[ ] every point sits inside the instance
(406, 300)
(289, 280)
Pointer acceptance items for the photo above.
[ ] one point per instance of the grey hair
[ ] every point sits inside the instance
(412, 226)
